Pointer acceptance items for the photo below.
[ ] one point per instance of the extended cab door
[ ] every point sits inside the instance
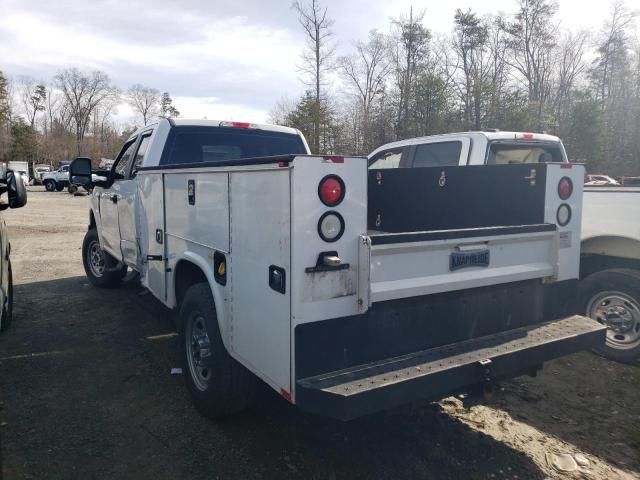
(109, 198)
(127, 204)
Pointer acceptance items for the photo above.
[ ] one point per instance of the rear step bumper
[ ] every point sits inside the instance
(438, 372)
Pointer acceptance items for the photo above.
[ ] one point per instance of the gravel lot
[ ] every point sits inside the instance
(86, 392)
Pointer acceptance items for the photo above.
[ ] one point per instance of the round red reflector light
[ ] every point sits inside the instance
(565, 188)
(331, 190)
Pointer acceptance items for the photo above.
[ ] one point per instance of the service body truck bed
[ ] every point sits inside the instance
(316, 293)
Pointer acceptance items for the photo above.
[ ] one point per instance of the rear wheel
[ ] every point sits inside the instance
(612, 297)
(7, 311)
(218, 384)
(59, 187)
(72, 189)
(102, 269)
(49, 185)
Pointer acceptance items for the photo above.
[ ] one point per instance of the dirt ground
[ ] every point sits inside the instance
(86, 393)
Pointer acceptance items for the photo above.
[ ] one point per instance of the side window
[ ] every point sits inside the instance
(386, 159)
(440, 154)
(142, 151)
(124, 160)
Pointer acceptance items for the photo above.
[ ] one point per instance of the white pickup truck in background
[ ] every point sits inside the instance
(346, 289)
(56, 180)
(610, 266)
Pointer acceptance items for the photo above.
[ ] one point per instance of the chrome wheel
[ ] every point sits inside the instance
(96, 259)
(620, 313)
(198, 346)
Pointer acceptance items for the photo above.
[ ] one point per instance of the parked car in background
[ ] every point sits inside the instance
(600, 179)
(610, 266)
(13, 194)
(56, 180)
(38, 171)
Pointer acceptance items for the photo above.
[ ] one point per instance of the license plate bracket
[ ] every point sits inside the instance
(474, 258)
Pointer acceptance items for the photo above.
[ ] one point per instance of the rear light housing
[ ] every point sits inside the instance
(238, 125)
(331, 190)
(563, 215)
(330, 226)
(565, 188)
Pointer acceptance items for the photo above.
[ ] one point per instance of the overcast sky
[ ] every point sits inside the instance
(223, 59)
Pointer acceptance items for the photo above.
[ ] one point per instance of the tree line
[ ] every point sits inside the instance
(518, 71)
(71, 116)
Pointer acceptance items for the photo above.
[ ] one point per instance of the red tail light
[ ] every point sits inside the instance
(565, 188)
(331, 190)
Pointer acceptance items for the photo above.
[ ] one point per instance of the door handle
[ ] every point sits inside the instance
(114, 198)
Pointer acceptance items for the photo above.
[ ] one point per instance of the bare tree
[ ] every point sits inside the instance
(145, 101)
(532, 40)
(611, 50)
(33, 96)
(471, 35)
(281, 111)
(366, 71)
(571, 66)
(409, 52)
(83, 93)
(318, 56)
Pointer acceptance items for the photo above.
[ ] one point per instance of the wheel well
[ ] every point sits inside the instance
(92, 220)
(590, 263)
(187, 274)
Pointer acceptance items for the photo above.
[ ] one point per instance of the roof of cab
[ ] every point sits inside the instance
(490, 135)
(215, 123)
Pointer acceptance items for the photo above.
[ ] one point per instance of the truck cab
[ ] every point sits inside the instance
(470, 148)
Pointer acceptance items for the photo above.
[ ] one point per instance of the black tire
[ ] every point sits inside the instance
(72, 189)
(59, 187)
(111, 274)
(49, 185)
(597, 291)
(7, 311)
(230, 387)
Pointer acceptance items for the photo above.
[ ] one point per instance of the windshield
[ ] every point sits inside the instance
(217, 144)
(503, 153)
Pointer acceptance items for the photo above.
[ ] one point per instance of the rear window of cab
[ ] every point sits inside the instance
(192, 144)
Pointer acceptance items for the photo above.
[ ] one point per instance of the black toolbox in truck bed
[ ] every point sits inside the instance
(441, 371)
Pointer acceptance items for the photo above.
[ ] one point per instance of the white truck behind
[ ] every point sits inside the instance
(610, 266)
(295, 269)
(609, 290)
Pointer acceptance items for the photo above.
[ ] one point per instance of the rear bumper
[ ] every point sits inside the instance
(438, 372)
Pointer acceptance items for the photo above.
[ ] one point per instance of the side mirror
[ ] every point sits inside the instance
(16, 191)
(80, 172)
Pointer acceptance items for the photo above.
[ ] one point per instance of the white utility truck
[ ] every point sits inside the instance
(610, 266)
(56, 180)
(347, 290)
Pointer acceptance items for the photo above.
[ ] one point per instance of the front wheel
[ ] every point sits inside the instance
(218, 384)
(7, 310)
(612, 297)
(49, 185)
(102, 269)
